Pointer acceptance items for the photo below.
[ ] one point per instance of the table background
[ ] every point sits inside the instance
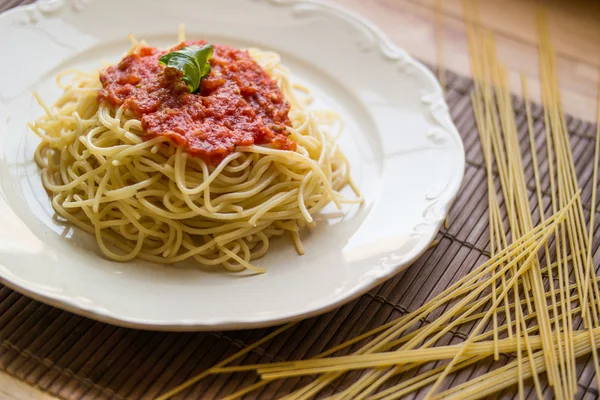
(414, 25)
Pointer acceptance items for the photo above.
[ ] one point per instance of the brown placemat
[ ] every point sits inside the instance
(73, 357)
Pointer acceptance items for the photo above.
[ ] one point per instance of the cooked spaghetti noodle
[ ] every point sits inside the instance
(149, 198)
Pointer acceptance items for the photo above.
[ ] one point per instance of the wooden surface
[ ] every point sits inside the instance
(412, 25)
(13, 389)
(574, 29)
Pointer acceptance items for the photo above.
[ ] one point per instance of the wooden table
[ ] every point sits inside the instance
(574, 30)
(416, 24)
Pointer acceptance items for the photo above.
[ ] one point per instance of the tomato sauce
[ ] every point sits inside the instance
(237, 104)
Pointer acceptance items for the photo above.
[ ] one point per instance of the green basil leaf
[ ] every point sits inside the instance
(186, 64)
(192, 61)
(202, 56)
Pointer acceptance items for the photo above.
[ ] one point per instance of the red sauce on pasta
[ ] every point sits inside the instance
(238, 104)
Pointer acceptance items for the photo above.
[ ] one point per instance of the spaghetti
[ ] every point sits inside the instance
(145, 197)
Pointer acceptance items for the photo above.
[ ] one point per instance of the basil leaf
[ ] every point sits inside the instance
(192, 61)
(186, 64)
(202, 57)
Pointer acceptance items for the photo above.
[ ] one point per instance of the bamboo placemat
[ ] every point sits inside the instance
(73, 357)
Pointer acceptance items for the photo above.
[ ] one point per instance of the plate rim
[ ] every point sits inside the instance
(440, 112)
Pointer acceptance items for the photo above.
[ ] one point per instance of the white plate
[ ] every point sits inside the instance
(405, 153)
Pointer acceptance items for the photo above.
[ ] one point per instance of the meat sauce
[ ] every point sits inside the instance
(237, 104)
